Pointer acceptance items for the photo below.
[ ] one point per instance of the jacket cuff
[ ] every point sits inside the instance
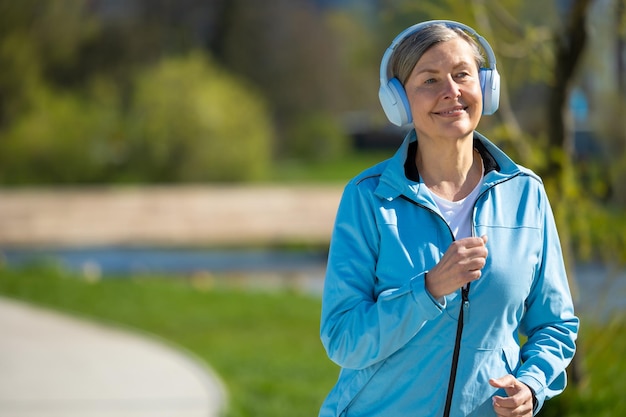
(537, 391)
(429, 304)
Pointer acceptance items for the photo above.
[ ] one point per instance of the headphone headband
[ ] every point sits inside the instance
(392, 95)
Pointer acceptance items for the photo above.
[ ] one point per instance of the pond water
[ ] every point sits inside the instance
(134, 260)
(267, 268)
(599, 290)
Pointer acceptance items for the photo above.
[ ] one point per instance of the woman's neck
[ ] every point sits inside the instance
(451, 173)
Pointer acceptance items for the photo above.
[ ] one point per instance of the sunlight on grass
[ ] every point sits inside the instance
(265, 344)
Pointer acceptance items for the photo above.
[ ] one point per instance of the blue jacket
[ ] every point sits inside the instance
(395, 343)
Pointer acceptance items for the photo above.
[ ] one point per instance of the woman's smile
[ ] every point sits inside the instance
(456, 111)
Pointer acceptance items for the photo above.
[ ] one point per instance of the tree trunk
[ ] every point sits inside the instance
(569, 45)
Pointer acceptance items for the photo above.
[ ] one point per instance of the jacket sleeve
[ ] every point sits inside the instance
(358, 326)
(549, 321)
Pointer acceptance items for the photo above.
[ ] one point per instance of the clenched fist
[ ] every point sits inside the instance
(461, 264)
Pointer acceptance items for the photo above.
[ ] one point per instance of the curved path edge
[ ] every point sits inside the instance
(53, 364)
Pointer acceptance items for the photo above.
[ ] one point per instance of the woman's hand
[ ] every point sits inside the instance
(519, 400)
(461, 264)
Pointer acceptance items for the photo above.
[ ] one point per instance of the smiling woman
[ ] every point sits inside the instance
(448, 212)
(444, 94)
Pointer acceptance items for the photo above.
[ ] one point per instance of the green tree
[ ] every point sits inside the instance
(191, 121)
(40, 42)
(187, 120)
(287, 50)
(62, 138)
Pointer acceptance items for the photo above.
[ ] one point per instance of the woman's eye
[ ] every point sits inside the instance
(430, 81)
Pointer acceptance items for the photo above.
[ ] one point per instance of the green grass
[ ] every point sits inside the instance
(601, 351)
(265, 344)
(338, 171)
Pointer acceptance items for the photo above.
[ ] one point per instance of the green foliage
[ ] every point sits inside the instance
(617, 172)
(187, 121)
(335, 171)
(288, 50)
(317, 137)
(190, 121)
(599, 394)
(60, 61)
(60, 139)
(593, 234)
(39, 41)
(589, 226)
(20, 74)
(358, 47)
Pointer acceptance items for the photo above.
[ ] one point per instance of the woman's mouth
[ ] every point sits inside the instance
(452, 112)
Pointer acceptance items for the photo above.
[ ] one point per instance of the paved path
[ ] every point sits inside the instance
(53, 365)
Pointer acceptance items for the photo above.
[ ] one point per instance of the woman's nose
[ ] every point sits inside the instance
(450, 88)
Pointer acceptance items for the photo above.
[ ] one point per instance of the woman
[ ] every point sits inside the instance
(443, 254)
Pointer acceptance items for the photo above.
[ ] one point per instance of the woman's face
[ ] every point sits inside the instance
(444, 92)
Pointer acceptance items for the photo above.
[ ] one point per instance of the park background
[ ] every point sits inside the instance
(144, 107)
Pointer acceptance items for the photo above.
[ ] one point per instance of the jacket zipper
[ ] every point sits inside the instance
(463, 317)
(465, 304)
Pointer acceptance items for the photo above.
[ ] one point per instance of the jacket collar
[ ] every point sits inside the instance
(400, 176)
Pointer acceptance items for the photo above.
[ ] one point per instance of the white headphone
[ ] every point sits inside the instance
(393, 97)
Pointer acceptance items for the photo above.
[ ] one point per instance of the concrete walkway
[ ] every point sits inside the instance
(55, 365)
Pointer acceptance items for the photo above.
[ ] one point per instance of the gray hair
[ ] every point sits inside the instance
(411, 49)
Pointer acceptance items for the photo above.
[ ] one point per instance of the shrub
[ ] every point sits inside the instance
(185, 120)
(61, 139)
(317, 137)
(190, 121)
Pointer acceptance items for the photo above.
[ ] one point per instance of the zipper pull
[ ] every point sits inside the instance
(465, 303)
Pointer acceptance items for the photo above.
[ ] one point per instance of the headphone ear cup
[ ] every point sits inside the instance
(395, 102)
(490, 86)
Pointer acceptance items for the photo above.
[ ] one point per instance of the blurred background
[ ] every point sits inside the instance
(208, 140)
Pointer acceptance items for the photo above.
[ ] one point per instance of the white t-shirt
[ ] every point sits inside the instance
(458, 214)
